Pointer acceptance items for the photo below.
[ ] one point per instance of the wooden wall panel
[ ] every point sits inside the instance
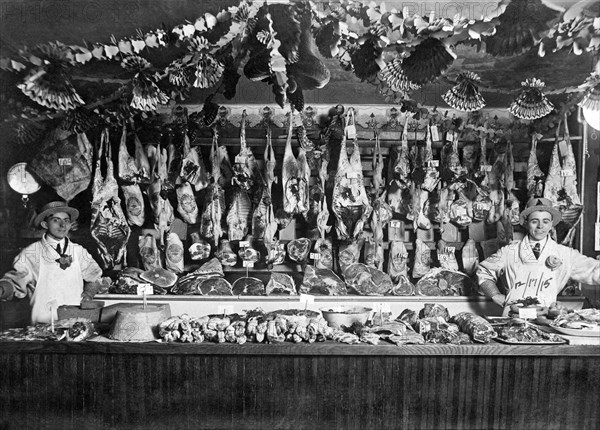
(52, 390)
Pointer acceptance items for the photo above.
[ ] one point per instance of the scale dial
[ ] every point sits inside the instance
(20, 180)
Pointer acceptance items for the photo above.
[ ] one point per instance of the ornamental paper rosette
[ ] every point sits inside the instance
(49, 84)
(553, 262)
(591, 97)
(208, 72)
(465, 95)
(531, 103)
(394, 77)
(146, 94)
(429, 59)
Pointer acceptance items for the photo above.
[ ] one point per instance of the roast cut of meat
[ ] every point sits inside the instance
(186, 203)
(437, 330)
(212, 267)
(65, 163)
(349, 253)
(475, 326)
(249, 253)
(322, 282)
(374, 254)
(397, 260)
(162, 277)
(422, 261)
(149, 253)
(174, 253)
(434, 310)
(225, 254)
(461, 210)
(367, 281)
(324, 248)
(275, 253)
(199, 249)
(109, 226)
(441, 282)
(281, 284)
(215, 287)
(248, 286)
(403, 287)
(298, 250)
(134, 204)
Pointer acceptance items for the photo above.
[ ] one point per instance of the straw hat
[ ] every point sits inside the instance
(540, 204)
(55, 207)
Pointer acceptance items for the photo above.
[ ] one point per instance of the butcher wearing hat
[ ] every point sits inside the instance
(53, 270)
(536, 266)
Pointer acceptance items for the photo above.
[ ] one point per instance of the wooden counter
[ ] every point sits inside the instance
(327, 385)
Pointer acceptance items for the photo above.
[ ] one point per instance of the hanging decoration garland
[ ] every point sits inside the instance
(531, 103)
(465, 95)
(591, 96)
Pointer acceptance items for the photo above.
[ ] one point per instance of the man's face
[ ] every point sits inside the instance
(539, 224)
(58, 225)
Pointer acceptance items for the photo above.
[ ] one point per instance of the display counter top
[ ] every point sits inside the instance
(328, 348)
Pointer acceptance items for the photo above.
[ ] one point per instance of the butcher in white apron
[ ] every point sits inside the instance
(536, 266)
(52, 271)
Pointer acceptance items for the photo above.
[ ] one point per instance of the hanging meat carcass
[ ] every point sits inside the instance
(295, 175)
(432, 175)
(193, 169)
(239, 215)
(245, 167)
(212, 215)
(109, 226)
(161, 208)
(350, 201)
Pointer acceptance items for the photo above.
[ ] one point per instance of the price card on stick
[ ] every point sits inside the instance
(435, 135)
(315, 256)
(225, 309)
(244, 243)
(528, 313)
(307, 299)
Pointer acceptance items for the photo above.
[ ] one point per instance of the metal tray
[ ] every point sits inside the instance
(578, 331)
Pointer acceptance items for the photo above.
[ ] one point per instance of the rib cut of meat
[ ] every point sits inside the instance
(322, 282)
(281, 284)
(367, 281)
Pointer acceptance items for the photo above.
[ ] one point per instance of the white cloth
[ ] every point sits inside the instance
(34, 267)
(508, 266)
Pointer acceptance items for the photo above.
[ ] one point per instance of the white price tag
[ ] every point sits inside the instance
(527, 313)
(248, 263)
(352, 175)
(307, 299)
(566, 172)
(563, 148)
(434, 163)
(435, 135)
(351, 131)
(395, 223)
(486, 167)
(144, 288)
(64, 162)
(315, 256)
(450, 136)
(244, 244)
(450, 249)
(224, 310)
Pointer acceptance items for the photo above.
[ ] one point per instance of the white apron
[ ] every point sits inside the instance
(532, 280)
(53, 283)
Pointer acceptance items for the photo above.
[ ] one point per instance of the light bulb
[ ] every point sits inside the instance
(592, 117)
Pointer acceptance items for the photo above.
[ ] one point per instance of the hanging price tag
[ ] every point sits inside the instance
(247, 263)
(435, 135)
(527, 313)
(434, 163)
(244, 244)
(450, 249)
(64, 162)
(352, 175)
(395, 223)
(566, 172)
(486, 168)
(563, 148)
(315, 256)
(144, 289)
(351, 132)
(450, 136)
